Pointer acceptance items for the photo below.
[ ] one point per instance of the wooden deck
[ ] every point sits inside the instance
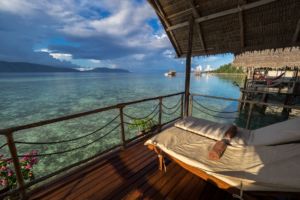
(131, 174)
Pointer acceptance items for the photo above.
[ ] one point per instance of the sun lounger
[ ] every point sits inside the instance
(256, 161)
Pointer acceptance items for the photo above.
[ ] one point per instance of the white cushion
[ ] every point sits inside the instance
(203, 127)
(279, 133)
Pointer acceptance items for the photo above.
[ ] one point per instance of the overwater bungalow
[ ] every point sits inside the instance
(272, 75)
(180, 156)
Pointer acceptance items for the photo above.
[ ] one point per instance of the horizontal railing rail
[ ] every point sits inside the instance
(212, 112)
(68, 117)
(158, 110)
(248, 101)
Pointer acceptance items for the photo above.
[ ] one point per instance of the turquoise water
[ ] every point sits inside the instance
(26, 98)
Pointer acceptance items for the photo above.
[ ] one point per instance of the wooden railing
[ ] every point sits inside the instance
(14, 156)
(250, 104)
(162, 110)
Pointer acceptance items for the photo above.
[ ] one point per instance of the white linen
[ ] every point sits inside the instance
(260, 168)
(279, 133)
(212, 130)
(203, 127)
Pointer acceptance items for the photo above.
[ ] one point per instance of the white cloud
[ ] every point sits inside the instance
(19, 7)
(62, 56)
(94, 61)
(169, 53)
(45, 50)
(139, 56)
(85, 68)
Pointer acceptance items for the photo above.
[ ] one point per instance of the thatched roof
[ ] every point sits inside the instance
(278, 58)
(230, 26)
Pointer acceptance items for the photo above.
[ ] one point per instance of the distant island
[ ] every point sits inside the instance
(107, 70)
(228, 69)
(24, 67)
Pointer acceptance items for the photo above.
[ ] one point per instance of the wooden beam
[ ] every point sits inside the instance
(188, 67)
(296, 34)
(161, 14)
(196, 14)
(223, 13)
(241, 21)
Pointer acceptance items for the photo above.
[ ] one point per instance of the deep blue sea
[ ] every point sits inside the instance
(27, 98)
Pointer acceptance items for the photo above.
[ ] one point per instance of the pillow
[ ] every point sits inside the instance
(279, 133)
(212, 130)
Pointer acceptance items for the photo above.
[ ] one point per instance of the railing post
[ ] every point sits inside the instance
(181, 106)
(123, 139)
(191, 105)
(160, 114)
(249, 116)
(16, 162)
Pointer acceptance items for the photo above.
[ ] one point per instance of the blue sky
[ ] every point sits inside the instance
(87, 34)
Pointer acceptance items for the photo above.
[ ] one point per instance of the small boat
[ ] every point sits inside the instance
(170, 73)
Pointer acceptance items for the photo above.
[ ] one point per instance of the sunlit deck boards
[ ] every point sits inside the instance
(132, 174)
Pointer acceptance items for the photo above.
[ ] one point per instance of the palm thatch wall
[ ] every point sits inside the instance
(279, 58)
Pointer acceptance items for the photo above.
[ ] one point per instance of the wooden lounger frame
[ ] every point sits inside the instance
(219, 183)
(203, 175)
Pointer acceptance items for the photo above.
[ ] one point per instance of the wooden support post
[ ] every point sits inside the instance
(249, 116)
(188, 66)
(123, 139)
(160, 114)
(241, 106)
(16, 162)
(181, 106)
(191, 105)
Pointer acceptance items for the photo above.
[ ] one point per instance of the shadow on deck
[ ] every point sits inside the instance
(131, 174)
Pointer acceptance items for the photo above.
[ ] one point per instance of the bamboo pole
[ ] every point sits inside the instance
(249, 116)
(16, 163)
(188, 66)
(181, 106)
(191, 105)
(160, 114)
(123, 139)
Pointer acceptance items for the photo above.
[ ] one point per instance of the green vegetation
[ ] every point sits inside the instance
(228, 68)
(143, 125)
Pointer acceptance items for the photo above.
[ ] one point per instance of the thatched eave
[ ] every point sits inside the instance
(230, 26)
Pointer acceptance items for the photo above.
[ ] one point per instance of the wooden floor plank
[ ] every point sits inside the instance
(174, 193)
(87, 179)
(171, 184)
(66, 183)
(131, 174)
(102, 181)
(198, 188)
(187, 190)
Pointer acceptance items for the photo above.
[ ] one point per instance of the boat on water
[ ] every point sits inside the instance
(170, 73)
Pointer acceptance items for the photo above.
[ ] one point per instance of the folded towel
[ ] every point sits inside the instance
(218, 149)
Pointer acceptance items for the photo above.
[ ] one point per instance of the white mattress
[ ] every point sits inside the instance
(260, 168)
